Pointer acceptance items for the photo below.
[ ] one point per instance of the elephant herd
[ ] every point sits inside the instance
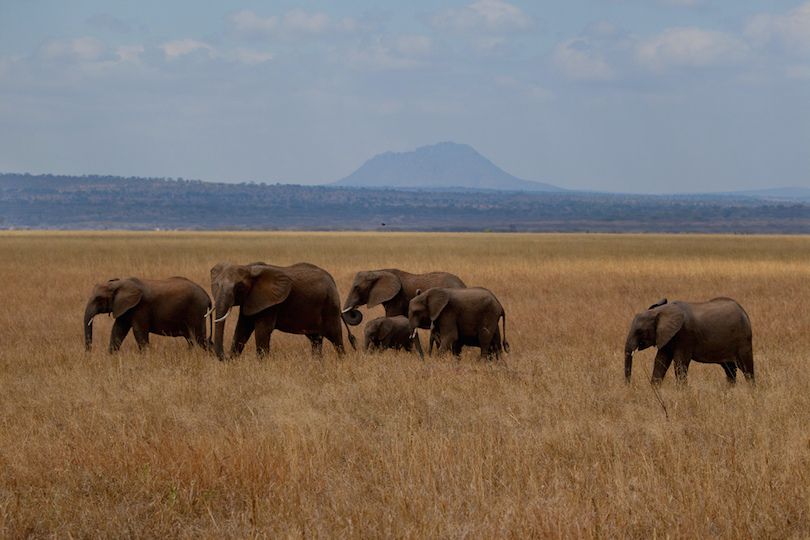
(303, 299)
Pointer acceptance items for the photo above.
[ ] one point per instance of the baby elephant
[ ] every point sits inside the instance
(390, 333)
(460, 317)
(168, 307)
(717, 332)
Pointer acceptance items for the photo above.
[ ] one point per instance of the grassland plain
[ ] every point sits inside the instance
(173, 443)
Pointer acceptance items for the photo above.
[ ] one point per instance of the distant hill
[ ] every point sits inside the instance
(109, 202)
(778, 194)
(443, 165)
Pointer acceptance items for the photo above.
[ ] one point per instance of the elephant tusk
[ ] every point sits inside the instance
(413, 335)
(348, 309)
(224, 317)
(90, 322)
(208, 313)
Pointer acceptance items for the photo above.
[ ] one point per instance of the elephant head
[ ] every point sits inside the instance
(371, 289)
(656, 326)
(117, 296)
(425, 308)
(253, 287)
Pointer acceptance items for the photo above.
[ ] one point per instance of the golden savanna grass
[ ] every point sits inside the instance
(173, 443)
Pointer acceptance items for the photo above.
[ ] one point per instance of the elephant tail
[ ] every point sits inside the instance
(505, 343)
(352, 341)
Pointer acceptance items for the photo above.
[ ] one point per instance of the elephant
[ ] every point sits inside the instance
(390, 333)
(463, 317)
(717, 332)
(394, 289)
(297, 299)
(170, 307)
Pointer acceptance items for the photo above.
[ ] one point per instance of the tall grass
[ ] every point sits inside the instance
(173, 443)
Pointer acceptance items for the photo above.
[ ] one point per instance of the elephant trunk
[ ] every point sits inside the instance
(352, 301)
(629, 347)
(89, 312)
(224, 304)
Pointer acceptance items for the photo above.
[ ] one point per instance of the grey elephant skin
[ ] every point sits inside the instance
(168, 307)
(717, 331)
(462, 317)
(394, 289)
(389, 333)
(297, 299)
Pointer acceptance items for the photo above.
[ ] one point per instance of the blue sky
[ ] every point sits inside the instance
(623, 95)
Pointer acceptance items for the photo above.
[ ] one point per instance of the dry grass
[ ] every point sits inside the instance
(174, 443)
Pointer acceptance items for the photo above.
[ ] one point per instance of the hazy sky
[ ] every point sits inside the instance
(630, 95)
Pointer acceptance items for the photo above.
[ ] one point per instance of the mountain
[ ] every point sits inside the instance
(443, 165)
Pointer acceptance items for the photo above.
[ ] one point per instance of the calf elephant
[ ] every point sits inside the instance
(394, 289)
(463, 317)
(297, 299)
(390, 333)
(717, 331)
(168, 307)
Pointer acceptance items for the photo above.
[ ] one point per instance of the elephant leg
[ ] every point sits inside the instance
(731, 371)
(120, 330)
(316, 343)
(141, 334)
(485, 343)
(264, 329)
(745, 361)
(434, 338)
(417, 344)
(662, 361)
(681, 360)
(198, 334)
(243, 331)
(449, 342)
(333, 335)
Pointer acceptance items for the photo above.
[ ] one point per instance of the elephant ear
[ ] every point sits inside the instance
(385, 329)
(271, 286)
(126, 297)
(670, 320)
(217, 269)
(437, 300)
(385, 287)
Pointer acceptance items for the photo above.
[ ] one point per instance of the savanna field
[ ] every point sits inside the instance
(551, 443)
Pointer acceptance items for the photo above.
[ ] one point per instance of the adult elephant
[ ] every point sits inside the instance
(463, 317)
(717, 331)
(167, 307)
(297, 299)
(394, 289)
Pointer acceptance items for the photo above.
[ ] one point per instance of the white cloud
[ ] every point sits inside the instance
(248, 23)
(83, 49)
(689, 47)
(294, 22)
(299, 20)
(390, 53)
(129, 53)
(578, 59)
(487, 15)
(251, 57)
(530, 90)
(181, 47)
(791, 29)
